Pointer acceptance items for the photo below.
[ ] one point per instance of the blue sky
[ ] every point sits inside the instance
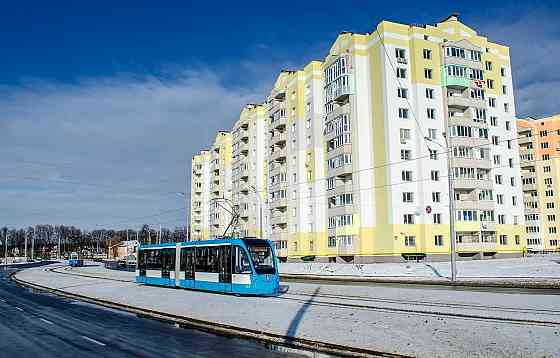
(101, 106)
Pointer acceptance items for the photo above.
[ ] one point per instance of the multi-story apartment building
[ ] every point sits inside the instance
(220, 203)
(357, 149)
(390, 97)
(200, 195)
(539, 151)
(296, 183)
(249, 174)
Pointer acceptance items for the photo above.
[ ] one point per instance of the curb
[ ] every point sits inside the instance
(221, 329)
(523, 284)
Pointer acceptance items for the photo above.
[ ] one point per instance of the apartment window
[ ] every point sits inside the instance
(431, 112)
(549, 193)
(552, 230)
(409, 241)
(406, 175)
(405, 154)
(432, 133)
(546, 157)
(401, 72)
(332, 241)
(508, 125)
(438, 240)
(491, 102)
(547, 169)
(543, 133)
(437, 218)
(550, 205)
(495, 140)
(514, 200)
(496, 159)
(408, 219)
(506, 107)
(501, 219)
(434, 175)
(517, 240)
(436, 196)
(403, 113)
(405, 135)
(512, 181)
(493, 121)
(402, 92)
(488, 66)
(498, 179)
(490, 83)
(433, 154)
(509, 143)
(427, 54)
(428, 73)
(503, 239)
(548, 181)
(407, 197)
(500, 199)
(544, 145)
(503, 71)
(429, 93)
(400, 53)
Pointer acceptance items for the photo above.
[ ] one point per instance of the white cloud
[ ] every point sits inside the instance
(125, 140)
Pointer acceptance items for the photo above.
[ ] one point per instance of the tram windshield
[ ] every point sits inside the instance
(262, 257)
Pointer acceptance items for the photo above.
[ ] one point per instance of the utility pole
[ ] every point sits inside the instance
(450, 175)
(33, 245)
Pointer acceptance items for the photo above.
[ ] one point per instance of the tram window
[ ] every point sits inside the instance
(142, 262)
(153, 259)
(241, 262)
(262, 257)
(168, 261)
(207, 259)
(187, 262)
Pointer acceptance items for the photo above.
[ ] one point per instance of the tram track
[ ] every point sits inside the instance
(310, 299)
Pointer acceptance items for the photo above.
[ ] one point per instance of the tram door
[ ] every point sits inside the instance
(224, 255)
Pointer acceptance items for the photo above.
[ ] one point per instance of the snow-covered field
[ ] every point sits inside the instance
(537, 266)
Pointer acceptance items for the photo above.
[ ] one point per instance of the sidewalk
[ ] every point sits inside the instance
(313, 313)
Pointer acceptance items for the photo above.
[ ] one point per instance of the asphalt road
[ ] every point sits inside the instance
(37, 325)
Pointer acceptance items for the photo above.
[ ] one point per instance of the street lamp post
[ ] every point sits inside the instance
(451, 206)
(187, 215)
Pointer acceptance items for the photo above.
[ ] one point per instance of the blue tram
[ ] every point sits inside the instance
(230, 265)
(74, 260)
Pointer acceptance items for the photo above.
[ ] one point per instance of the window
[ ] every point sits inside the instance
(403, 113)
(544, 145)
(495, 140)
(552, 230)
(508, 125)
(506, 107)
(500, 199)
(432, 133)
(434, 175)
(491, 102)
(409, 241)
(428, 73)
(400, 53)
(401, 72)
(402, 92)
(436, 196)
(405, 135)
(498, 179)
(431, 113)
(407, 197)
(406, 175)
(546, 169)
(550, 205)
(517, 240)
(437, 218)
(427, 54)
(332, 241)
(438, 240)
(429, 93)
(512, 181)
(496, 159)
(433, 154)
(514, 200)
(405, 154)
(488, 66)
(504, 89)
(503, 239)
(548, 181)
(493, 121)
(408, 219)
(501, 219)
(490, 83)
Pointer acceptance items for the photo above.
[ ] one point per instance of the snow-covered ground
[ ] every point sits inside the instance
(383, 318)
(526, 267)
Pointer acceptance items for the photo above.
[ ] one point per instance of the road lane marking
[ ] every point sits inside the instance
(93, 341)
(3, 300)
(46, 321)
(19, 309)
